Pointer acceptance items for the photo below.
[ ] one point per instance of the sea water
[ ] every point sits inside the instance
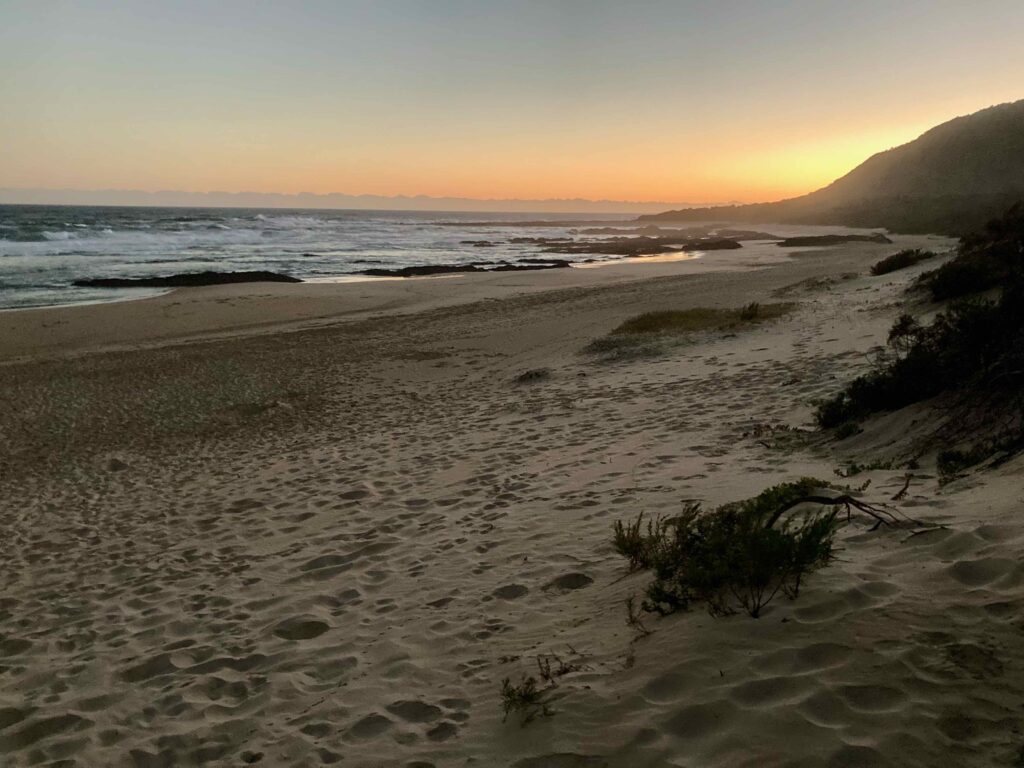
(44, 248)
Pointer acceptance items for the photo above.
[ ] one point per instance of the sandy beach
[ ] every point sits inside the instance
(318, 524)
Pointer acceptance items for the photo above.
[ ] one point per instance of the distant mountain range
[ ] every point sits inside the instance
(333, 200)
(950, 179)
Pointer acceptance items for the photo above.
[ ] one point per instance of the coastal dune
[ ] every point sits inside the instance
(298, 525)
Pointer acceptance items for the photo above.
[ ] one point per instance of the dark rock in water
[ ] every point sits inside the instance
(478, 243)
(800, 242)
(446, 269)
(539, 240)
(642, 246)
(187, 280)
(713, 244)
(747, 234)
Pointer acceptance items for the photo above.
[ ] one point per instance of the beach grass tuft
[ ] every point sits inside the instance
(526, 699)
(652, 333)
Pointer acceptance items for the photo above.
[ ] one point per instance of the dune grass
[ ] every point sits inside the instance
(652, 333)
(901, 260)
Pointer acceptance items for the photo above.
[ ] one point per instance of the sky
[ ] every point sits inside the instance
(697, 102)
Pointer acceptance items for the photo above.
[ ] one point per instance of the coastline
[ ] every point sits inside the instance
(227, 310)
(319, 523)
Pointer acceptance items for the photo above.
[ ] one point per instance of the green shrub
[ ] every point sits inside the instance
(991, 258)
(745, 552)
(901, 260)
(973, 351)
(975, 343)
(847, 429)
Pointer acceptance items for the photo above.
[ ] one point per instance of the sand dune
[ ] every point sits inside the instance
(330, 546)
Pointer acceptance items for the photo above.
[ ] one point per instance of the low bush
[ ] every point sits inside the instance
(974, 343)
(742, 553)
(973, 350)
(901, 260)
(991, 258)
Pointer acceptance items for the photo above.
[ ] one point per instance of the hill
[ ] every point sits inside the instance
(950, 179)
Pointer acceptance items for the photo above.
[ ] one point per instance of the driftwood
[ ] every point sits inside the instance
(903, 491)
(881, 515)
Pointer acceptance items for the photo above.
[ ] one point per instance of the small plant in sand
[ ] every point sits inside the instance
(750, 312)
(853, 468)
(637, 541)
(526, 700)
(550, 667)
(952, 463)
(633, 618)
(744, 553)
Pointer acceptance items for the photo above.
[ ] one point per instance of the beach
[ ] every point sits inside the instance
(295, 525)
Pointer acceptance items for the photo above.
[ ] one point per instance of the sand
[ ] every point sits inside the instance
(305, 525)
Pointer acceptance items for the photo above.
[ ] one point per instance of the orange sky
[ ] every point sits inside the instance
(742, 103)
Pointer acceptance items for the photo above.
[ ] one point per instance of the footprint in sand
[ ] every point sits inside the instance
(510, 591)
(300, 628)
(569, 582)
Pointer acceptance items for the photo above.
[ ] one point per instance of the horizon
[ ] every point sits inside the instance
(663, 105)
(334, 201)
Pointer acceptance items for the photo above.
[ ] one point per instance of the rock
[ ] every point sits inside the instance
(187, 280)
(643, 245)
(812, 240)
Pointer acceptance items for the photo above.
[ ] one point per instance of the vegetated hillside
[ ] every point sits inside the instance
(951, 179)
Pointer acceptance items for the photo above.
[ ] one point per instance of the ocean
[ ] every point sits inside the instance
(44, 248)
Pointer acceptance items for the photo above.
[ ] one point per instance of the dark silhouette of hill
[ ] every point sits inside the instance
(951, 179)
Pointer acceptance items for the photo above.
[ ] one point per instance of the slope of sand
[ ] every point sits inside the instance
(329, 546)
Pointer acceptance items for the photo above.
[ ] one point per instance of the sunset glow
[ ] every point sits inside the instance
(524, 100)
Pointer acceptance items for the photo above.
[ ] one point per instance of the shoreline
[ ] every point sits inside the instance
(240, 309)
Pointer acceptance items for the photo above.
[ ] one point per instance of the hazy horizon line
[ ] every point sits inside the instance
(325, 200)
